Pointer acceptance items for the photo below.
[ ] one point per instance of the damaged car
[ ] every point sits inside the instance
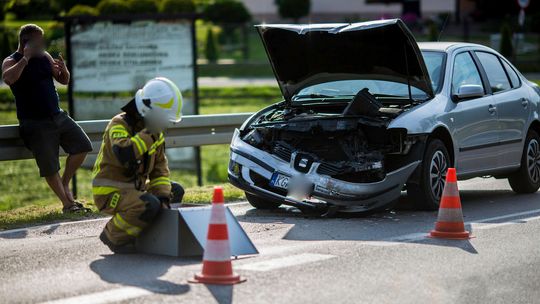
(368, 112)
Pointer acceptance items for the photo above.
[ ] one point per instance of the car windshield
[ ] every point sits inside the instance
(343, 88)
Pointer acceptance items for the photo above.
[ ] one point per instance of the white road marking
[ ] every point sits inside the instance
(108, 296)
(293, 260)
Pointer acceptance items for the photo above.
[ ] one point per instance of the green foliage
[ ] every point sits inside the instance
(177, 6)
(506, 47)
(227, 11)
(433, 34)
(112, 7)
(294, 9)
(142, 6)
(211, 49)
(217, 172)
(80, 10)
(25, 9)
(8, 39)
(67, 5)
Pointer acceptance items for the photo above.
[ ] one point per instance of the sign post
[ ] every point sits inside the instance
(111, 57)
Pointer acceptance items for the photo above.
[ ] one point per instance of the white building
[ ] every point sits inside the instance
(341, 10)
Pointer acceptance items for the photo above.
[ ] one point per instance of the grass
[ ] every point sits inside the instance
(26, 200)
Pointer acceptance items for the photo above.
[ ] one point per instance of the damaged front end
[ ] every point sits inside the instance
(351, 161)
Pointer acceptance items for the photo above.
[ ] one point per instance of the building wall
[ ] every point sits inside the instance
(338, 10)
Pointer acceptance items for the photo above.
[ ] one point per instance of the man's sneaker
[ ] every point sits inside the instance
(127, 248)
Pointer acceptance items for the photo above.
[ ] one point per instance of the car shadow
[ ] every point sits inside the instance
(403, 223)
(140, 270)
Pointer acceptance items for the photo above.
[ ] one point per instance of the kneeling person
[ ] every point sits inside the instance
(131, 174)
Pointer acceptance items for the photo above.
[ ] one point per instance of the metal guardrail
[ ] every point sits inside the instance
(193, 131)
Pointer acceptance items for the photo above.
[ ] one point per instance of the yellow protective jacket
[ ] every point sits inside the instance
(132, 158)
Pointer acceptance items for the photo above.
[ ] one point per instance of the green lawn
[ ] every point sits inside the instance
(26, 200)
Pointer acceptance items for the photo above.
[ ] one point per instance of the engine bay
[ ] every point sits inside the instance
(348, 147)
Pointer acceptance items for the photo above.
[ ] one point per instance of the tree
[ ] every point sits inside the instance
(80, 10)
(506, 47)
(211, 50)
(112, 7)
(294, 9)
(142, 6)
(227, 11)
(177, 6)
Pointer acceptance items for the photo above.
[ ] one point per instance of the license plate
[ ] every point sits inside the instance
(280, 180)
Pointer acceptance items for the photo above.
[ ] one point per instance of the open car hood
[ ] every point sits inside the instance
(305, 55)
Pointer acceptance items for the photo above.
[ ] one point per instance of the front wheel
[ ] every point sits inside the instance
(261, 203)
(426, 194)
(527, 178)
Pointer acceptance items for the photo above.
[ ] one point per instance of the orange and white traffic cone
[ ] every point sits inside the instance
(217, 266)
(449, 223)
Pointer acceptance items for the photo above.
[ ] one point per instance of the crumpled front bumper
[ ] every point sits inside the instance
(251, 169)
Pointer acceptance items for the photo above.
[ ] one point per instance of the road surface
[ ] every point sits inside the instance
(384, 258)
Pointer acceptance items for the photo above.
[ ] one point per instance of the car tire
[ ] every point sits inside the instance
(527, 178)
(261, 203)
(426, 192)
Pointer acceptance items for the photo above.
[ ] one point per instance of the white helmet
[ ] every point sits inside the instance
(160, 100)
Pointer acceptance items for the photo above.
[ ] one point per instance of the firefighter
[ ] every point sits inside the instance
(131, 176)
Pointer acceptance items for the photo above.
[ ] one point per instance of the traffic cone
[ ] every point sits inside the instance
(449, 223)
(217, 266)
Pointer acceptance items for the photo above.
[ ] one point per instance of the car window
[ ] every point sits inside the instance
(498, 81)
(514, 78)
(465, 72)
(434, 61)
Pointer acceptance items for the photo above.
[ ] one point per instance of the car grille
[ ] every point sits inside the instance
(282, 152)
(328, 169)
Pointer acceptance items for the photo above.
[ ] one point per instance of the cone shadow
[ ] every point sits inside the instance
(223, 294)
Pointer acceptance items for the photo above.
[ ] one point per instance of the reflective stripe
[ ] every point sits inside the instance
(166, 105)
(103, 190)
(118, 129)
(163, 180)
(125, 226)
(178, 95)
(97, 166)
(119, 134)
(155, 145)
(114, 200)
(141, 146)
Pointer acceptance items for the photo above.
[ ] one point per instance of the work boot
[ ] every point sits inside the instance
(126, 248)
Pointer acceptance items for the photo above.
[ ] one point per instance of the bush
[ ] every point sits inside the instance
(8, 41)
(83, 10)
(67, 5)
(112, 7)
(142, 6)
(211, 50)
(227, 11)
(294, 9)
(433, 34)
(506, 47)
(177, 6)
(26, 9)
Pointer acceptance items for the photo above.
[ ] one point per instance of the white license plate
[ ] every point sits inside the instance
(280, 180)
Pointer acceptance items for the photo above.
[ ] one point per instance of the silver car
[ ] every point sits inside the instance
(368, 112)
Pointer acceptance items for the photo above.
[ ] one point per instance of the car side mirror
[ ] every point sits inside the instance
(468, 91)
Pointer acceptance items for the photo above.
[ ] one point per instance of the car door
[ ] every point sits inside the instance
(512, 107)
(474, 121)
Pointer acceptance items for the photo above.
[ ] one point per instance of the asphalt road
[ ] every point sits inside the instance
(384, 258)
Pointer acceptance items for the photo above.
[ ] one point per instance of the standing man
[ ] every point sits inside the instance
(43, 126)
(131, 174)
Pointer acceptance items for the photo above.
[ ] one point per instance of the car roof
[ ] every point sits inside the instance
(445, 46)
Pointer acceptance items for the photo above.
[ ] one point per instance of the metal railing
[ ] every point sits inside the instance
(193, 131)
